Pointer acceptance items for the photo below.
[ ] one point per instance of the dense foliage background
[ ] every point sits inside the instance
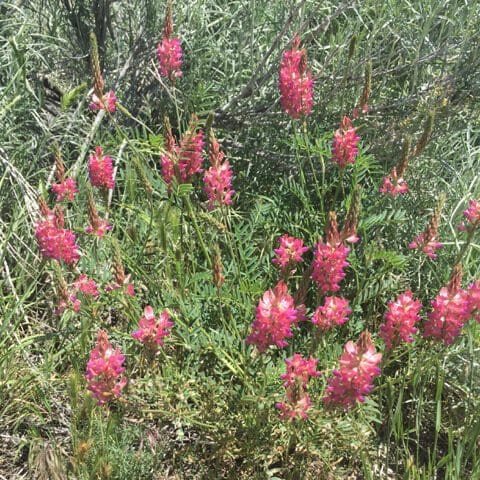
(204, 407)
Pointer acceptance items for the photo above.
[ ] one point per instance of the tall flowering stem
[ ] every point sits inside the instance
(100, 101)
(400, 320)
(169, 50)
(289, 253)
(299, 371)
(296, 83)
(218, 178)
(359, 366)
(345, 144)
(104, 371)
(394, 184)
(427, 241)
(275, 316)
(451, 309)
(153, 330)
(100, 169)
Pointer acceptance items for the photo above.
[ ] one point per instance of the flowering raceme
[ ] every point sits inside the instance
(65, 190)
(296, 84)
(345, 144)
(276, 313)
(107, 102)
(299, 371)
(450, 311)
(184, 160)
(400, 319)
(394, 184)
(472, 214)
(328, 264)
(354, 379)
(289, 252)
(334, 312)
(169, 55)
(55, 241)
(153, 330)
(104, 370)
(218, 178)
(100, 169)
(87, 286)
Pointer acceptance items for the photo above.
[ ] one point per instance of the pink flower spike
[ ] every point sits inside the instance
(276, 313)
(87, 286)
(99, 229)
(169, 55)
(428, 246)
(400, 319)
(101, 169)
(104, 371)
(472, 213)
(328, 265)
(393, 186)
(153, 330)
(345, 144)
(71, 302)
(55, 241)
(65, 190)
(289, 252)
(108, 102)
(451, 309)
(334, 312)
(354, 380)
(297, 376)
(296, 83)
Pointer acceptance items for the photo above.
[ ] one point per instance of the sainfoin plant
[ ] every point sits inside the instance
(312, 328)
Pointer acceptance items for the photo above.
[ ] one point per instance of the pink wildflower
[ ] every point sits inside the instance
(184, 160)
(276, 313)
(428, 245)
(474, 299)
(104, 370)
(299, 371)
(451, 310)
(345, 144)
(101, 169)
(296, 84)
(125, 285)
(472, 214)
(169, 55)
(87, 286)
(392, 185)
(354, 379)
(218, 178)
(66, 303)
(328, 264)
(334, 312)
(153, 330)
(99, 229)
(400, 319)
(55, 241)
(107, 102)
(290, 251)
(65, 190)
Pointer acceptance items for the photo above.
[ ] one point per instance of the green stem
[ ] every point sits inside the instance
(198, 232)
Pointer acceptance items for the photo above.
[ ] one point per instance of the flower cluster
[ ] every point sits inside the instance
(68, 299)
(169, 55)
(100, 169)
(218, 178)
(451, 309)
(184, 160)
(393, 184)
(152, 330)
(55, 241)
(472, 214)
(354, 379)
(296, 83)
(400, 320)
(299, 371)
(289, 252)
(65, 190)
(345, 144)
(107, 102)
(328, 265)
(427, 243)
(335, 311)
(104, 370)
(276, 313)
(87, 286)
